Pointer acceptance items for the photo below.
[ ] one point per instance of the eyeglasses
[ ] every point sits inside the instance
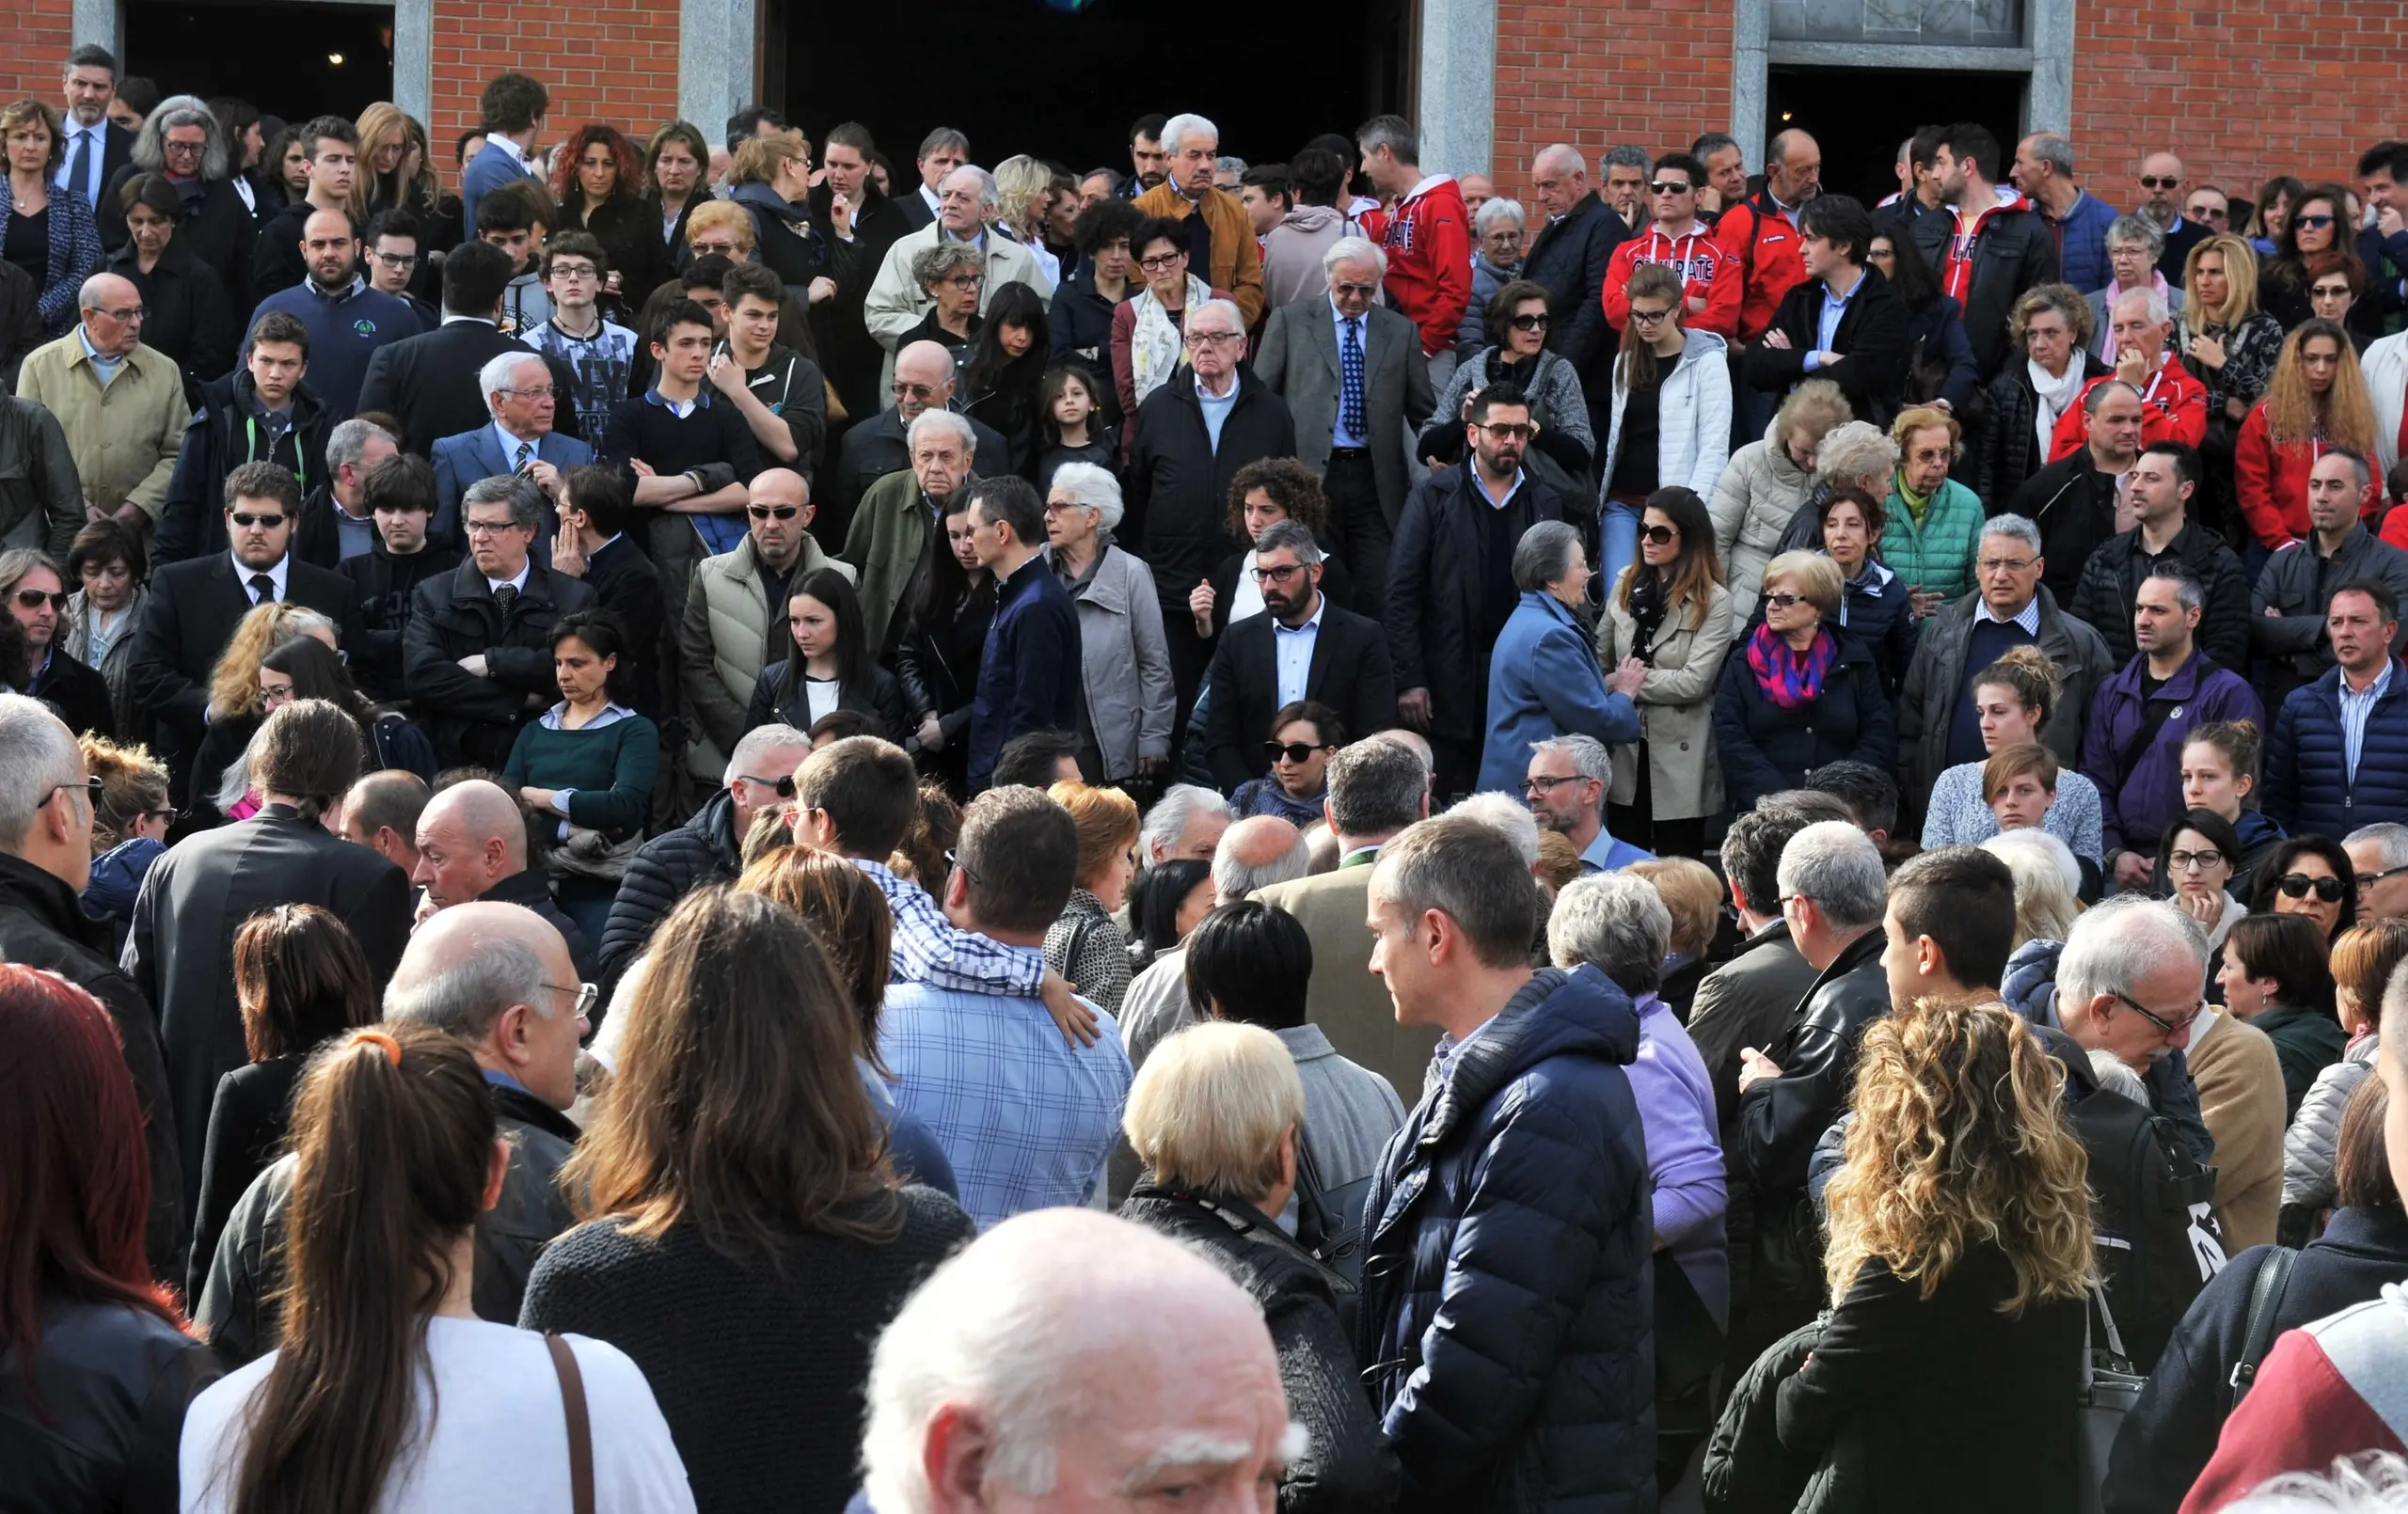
(2196, 862)
(2173, 1027)
(489, 528)
(773, 511)
(182, 149)
(274, 697)
(1544, 786)
(2208, 214)
(1282, 573)
(33, 598)
(784, 786)
(1213, 339)
(2329, 292)
(1661, 535)
(91, 787)
(1529, 322)
(573, 271)
(953, 860)
(2150, 181)
(587, 996)
(2367, 881)
(130, 313)
(1782, 600)
(1361, 291)
(1651, 318)
(1162, 265)
(1669, 186)
(2005, 564)
(967, 281)
(912, 391)
(399, 261)
(1295, 752)
(1509, 430)
(2328, 889)
(2313, 223)
(243, 520)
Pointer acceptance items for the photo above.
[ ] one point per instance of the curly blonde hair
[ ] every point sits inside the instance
(234, 683)
(1959, 1142)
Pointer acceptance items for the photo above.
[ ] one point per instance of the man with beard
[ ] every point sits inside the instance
(347, 320)
(1300, 647)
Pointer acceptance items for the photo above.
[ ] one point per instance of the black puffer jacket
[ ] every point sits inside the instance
(1507, 1275)
(1767, 749)
(98, 1435)
(703, 850)
(1347, 1466)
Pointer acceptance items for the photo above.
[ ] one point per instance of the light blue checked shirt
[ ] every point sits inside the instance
(1026, 1120)
(2355, 707)
(928, 948)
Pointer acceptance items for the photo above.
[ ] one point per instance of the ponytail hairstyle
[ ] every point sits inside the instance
(2030, 675)
(1656, 282)
(308, 752)
(2236, 741)
(394, 1136)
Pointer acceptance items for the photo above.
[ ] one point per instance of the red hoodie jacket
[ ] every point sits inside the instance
(1428, 240)
(2174, 408)
(1763, 245)
(1707, 273)
(2273, 483)
(2327, 1390)
(1956, 273)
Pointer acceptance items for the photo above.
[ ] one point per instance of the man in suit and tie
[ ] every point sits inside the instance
(477, 654)
(1300, 647)
(194, 605)
(1353, 376)
(180, 951)
(941, 151)
(513, 109)
(433, 381)
(96, 147)
(520, 398)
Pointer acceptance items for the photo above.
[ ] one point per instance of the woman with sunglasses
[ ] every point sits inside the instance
(833, 665)
(1560, 455)
(37, 591)
(2316, 238)
(1669, 613)
(2317, 399)
(1802, 690)
(1670, 412)
(2309, 876)
(1303, 736)
(2197, 857)
(2277, 975)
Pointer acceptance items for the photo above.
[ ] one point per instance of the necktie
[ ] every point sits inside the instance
(519, 463)
(79, 169)
(1349, 382)
(504, 597)
(262, 589)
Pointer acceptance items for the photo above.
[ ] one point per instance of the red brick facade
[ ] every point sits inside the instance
(1558, 78)
(612, 61)
(41, 34)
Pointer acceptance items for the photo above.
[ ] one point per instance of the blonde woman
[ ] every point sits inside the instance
(2229, 344)
(1024, 191)
(1765, 483)
(235, 707)
(2047, 885)
(1959, 1258)
(1085, 945)
(393, 173)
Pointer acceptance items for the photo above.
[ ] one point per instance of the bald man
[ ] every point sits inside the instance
(381, 813)
(1162, 1380)
(125, 452)
(472, 846)
(924, 381)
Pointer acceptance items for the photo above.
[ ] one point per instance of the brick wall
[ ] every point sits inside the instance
(614, 61)
(1561, 78)
(40, 35)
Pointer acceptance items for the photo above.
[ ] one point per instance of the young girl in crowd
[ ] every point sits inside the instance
(1072, 429)
(2219, 773)
(2019, 784)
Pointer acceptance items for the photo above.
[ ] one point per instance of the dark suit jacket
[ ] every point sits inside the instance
(461, 460)
(430, 382)
(1568, 258)
(1299, 360)
(626, 583)
(1350, 673)
(475, 719)
(193, 609)
(180, 951)
(914, 208)
(246, 1123)
(1871, 339)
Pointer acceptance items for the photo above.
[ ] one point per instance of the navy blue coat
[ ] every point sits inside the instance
(1507, 1277)
(2308, 788)
(1767, 749)
(1029, 677)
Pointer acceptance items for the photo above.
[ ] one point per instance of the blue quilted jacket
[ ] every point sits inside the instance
(2308, 788)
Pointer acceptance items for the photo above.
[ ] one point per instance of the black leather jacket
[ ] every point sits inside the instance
(96, 1433)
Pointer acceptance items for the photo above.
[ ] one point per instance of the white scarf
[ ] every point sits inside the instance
(2055, 394)
(1154, 346)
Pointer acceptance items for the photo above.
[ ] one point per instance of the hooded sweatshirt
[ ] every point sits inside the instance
(1707, 272)
(1956, 275)
(1429, 247)
(1291, 253)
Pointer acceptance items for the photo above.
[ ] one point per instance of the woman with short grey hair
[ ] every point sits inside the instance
(953, 275)
(1543, 679)
(1498, 245)
(2134, 243)
(1124, 659)
(183, 141)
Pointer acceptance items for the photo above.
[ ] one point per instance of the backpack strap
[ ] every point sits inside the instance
(580, 1428)
(2266, 1287)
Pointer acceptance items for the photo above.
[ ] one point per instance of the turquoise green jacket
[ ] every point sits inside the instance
(1936, 557)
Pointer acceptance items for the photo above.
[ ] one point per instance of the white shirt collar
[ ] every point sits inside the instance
(518, 583)
(1312, 622)
(516, 154)
(1427, 184)
(243, 572)
(2029, 618)
(1206, 396)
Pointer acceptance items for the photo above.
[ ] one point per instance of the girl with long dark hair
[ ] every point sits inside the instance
(833, 665)
(1671, 611)
(1005, 370)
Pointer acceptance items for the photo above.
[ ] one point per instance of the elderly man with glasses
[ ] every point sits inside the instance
(523, 400)
(120, 404)
(923, 380)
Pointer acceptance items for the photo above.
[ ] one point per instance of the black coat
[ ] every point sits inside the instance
(2171, 1433)
(43, 925)
(248, 1120)
(785, 243)
(475, 719)
(851, 355)
(275, 261)
(1766, 749)
(99, 1432)
(1436, 593)
(189, 318)
(2006, 449)
(191, 614)
(1568, 258)
(1872, 340)
(2074, 506)
(179, 952)
(629, 228)
(429, 381)
(383, 585)
(78, 693)
(626, 583)
(703, 850)
(1507, 1270)
(2014, 252)
(2112, 578)
(217, 234)
(1079, 323)
(1911, 1403)
(1350, 672)
(1176, 488)
(772, 704)
(223, 435)
(21, 329)
(1347, 1467)
(528, 890)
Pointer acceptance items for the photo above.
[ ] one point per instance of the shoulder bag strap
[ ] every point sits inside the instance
(580, 1428)
(2265, 1302)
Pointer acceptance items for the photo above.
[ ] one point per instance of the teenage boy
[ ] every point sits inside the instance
(781, 394)
(599, 352)
(594, 544)
(514, 218)
(333, 147)
(693, 457)
(399, 493)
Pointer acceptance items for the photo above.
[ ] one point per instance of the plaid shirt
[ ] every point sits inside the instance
(929, 950)
(1026, 1120)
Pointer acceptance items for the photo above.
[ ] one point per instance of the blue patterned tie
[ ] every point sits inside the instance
(1349, 382)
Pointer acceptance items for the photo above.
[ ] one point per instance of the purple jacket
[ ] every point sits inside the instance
(1684, 1153)
(2140, 792)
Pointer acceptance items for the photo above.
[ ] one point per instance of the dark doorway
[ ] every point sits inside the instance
(296, 60)
(1063, 79)
(1859, 115)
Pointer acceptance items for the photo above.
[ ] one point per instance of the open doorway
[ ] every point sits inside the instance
(1062, 79)
(294, 60)
(1859, 115)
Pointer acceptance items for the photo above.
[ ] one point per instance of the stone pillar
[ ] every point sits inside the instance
(1458, 86)
(414, 59)
(715, 44)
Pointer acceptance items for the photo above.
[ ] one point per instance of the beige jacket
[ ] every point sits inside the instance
(124, 437)
(1755, 499)
(2240, 1097)
(896, 303)
(1675, 706)
(723, 645)
(1352, 1007)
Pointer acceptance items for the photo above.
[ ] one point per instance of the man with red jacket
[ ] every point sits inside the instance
(2173, 405)
(1427, 236)
(1759, 234)
(1676, 239)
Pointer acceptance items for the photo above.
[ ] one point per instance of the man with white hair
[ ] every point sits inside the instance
(1566, 788)
(1257, 853)
(522, 399)
(1356, 382)
(2173, 404)
(2379, 857)
(901, 523)
(1185, 823)
(967, 200)
(925, 380)
(1833, 893)
(335, 520)
(471, 845)
(706, 849)
(1221, 247)
(1153, 1381)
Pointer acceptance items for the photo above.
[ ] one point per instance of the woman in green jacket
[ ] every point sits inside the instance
(1934, 524)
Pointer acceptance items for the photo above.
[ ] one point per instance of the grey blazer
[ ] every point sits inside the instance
(1298, 360)
(1125, 661)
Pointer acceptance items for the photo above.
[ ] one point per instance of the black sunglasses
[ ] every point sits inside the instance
(32, 598)
(1529, 322)
(246, 521)
(781, 511)
(1661, 535)
(1295, 752)
(783, 786)
(2295, 886)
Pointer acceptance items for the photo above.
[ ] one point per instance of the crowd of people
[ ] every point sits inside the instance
(1102, 840)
